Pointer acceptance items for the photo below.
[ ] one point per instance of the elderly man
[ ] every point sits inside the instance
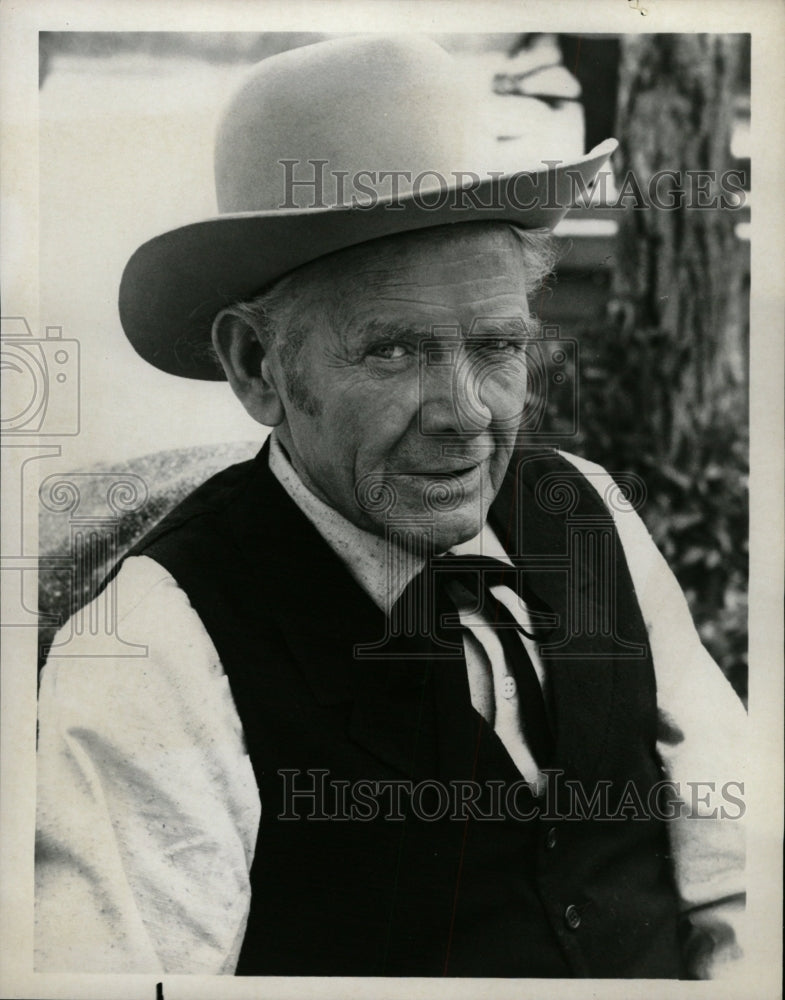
(420, 698)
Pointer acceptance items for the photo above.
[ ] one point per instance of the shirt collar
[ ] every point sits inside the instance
(383, 569)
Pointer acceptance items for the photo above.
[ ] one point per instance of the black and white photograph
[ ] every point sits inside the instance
(392, 556)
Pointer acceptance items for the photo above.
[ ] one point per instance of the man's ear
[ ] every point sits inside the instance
(247, 367)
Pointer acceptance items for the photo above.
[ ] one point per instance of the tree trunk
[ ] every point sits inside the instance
(679, 272)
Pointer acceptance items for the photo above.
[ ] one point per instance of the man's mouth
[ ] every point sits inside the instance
(457, 471)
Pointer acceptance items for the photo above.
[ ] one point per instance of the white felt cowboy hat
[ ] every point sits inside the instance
(322, 148)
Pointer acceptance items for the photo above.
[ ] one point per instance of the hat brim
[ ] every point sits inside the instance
(175, 284)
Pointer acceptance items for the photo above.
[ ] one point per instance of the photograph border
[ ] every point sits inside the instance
(765, 21)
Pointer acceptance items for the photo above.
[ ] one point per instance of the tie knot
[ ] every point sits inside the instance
(425, 607)
(478, 574)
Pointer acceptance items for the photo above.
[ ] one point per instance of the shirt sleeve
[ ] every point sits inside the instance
(702, 744)
(147, 807)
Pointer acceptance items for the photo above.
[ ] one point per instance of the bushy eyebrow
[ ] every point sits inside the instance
(387, 329)
(511, 327)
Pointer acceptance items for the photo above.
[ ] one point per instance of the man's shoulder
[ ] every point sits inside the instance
(584, 465)
(543, 459)
(211, 497)
(197, 531)
(540, 469)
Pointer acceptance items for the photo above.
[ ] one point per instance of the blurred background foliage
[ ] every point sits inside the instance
(657, 301)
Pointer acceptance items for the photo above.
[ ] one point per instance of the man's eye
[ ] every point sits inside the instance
(389, 352)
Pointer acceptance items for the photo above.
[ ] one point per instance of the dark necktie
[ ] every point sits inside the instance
(426, 604)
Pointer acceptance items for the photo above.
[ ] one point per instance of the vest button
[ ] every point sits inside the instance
(550, 838)
(572, 918)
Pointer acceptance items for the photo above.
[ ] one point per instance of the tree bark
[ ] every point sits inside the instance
(679, 272)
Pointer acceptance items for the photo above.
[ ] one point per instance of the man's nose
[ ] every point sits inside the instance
(452, 400)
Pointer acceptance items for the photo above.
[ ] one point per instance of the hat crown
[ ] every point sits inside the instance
(303, 162)
(321, 125)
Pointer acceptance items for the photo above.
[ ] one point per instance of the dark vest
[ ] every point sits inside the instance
(350, 878)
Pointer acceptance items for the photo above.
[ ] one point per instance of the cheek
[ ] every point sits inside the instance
(503, 389)
(336, 440)
(500, 460)
(382, 417)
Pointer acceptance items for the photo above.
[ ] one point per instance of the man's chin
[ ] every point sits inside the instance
(432, 513)
(438, 534)
(447, 537)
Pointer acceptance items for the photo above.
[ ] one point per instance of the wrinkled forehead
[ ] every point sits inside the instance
(452, 275)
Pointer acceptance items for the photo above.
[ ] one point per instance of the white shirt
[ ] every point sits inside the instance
(148, 809)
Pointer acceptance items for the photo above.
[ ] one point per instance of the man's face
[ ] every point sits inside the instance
(417, 380)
